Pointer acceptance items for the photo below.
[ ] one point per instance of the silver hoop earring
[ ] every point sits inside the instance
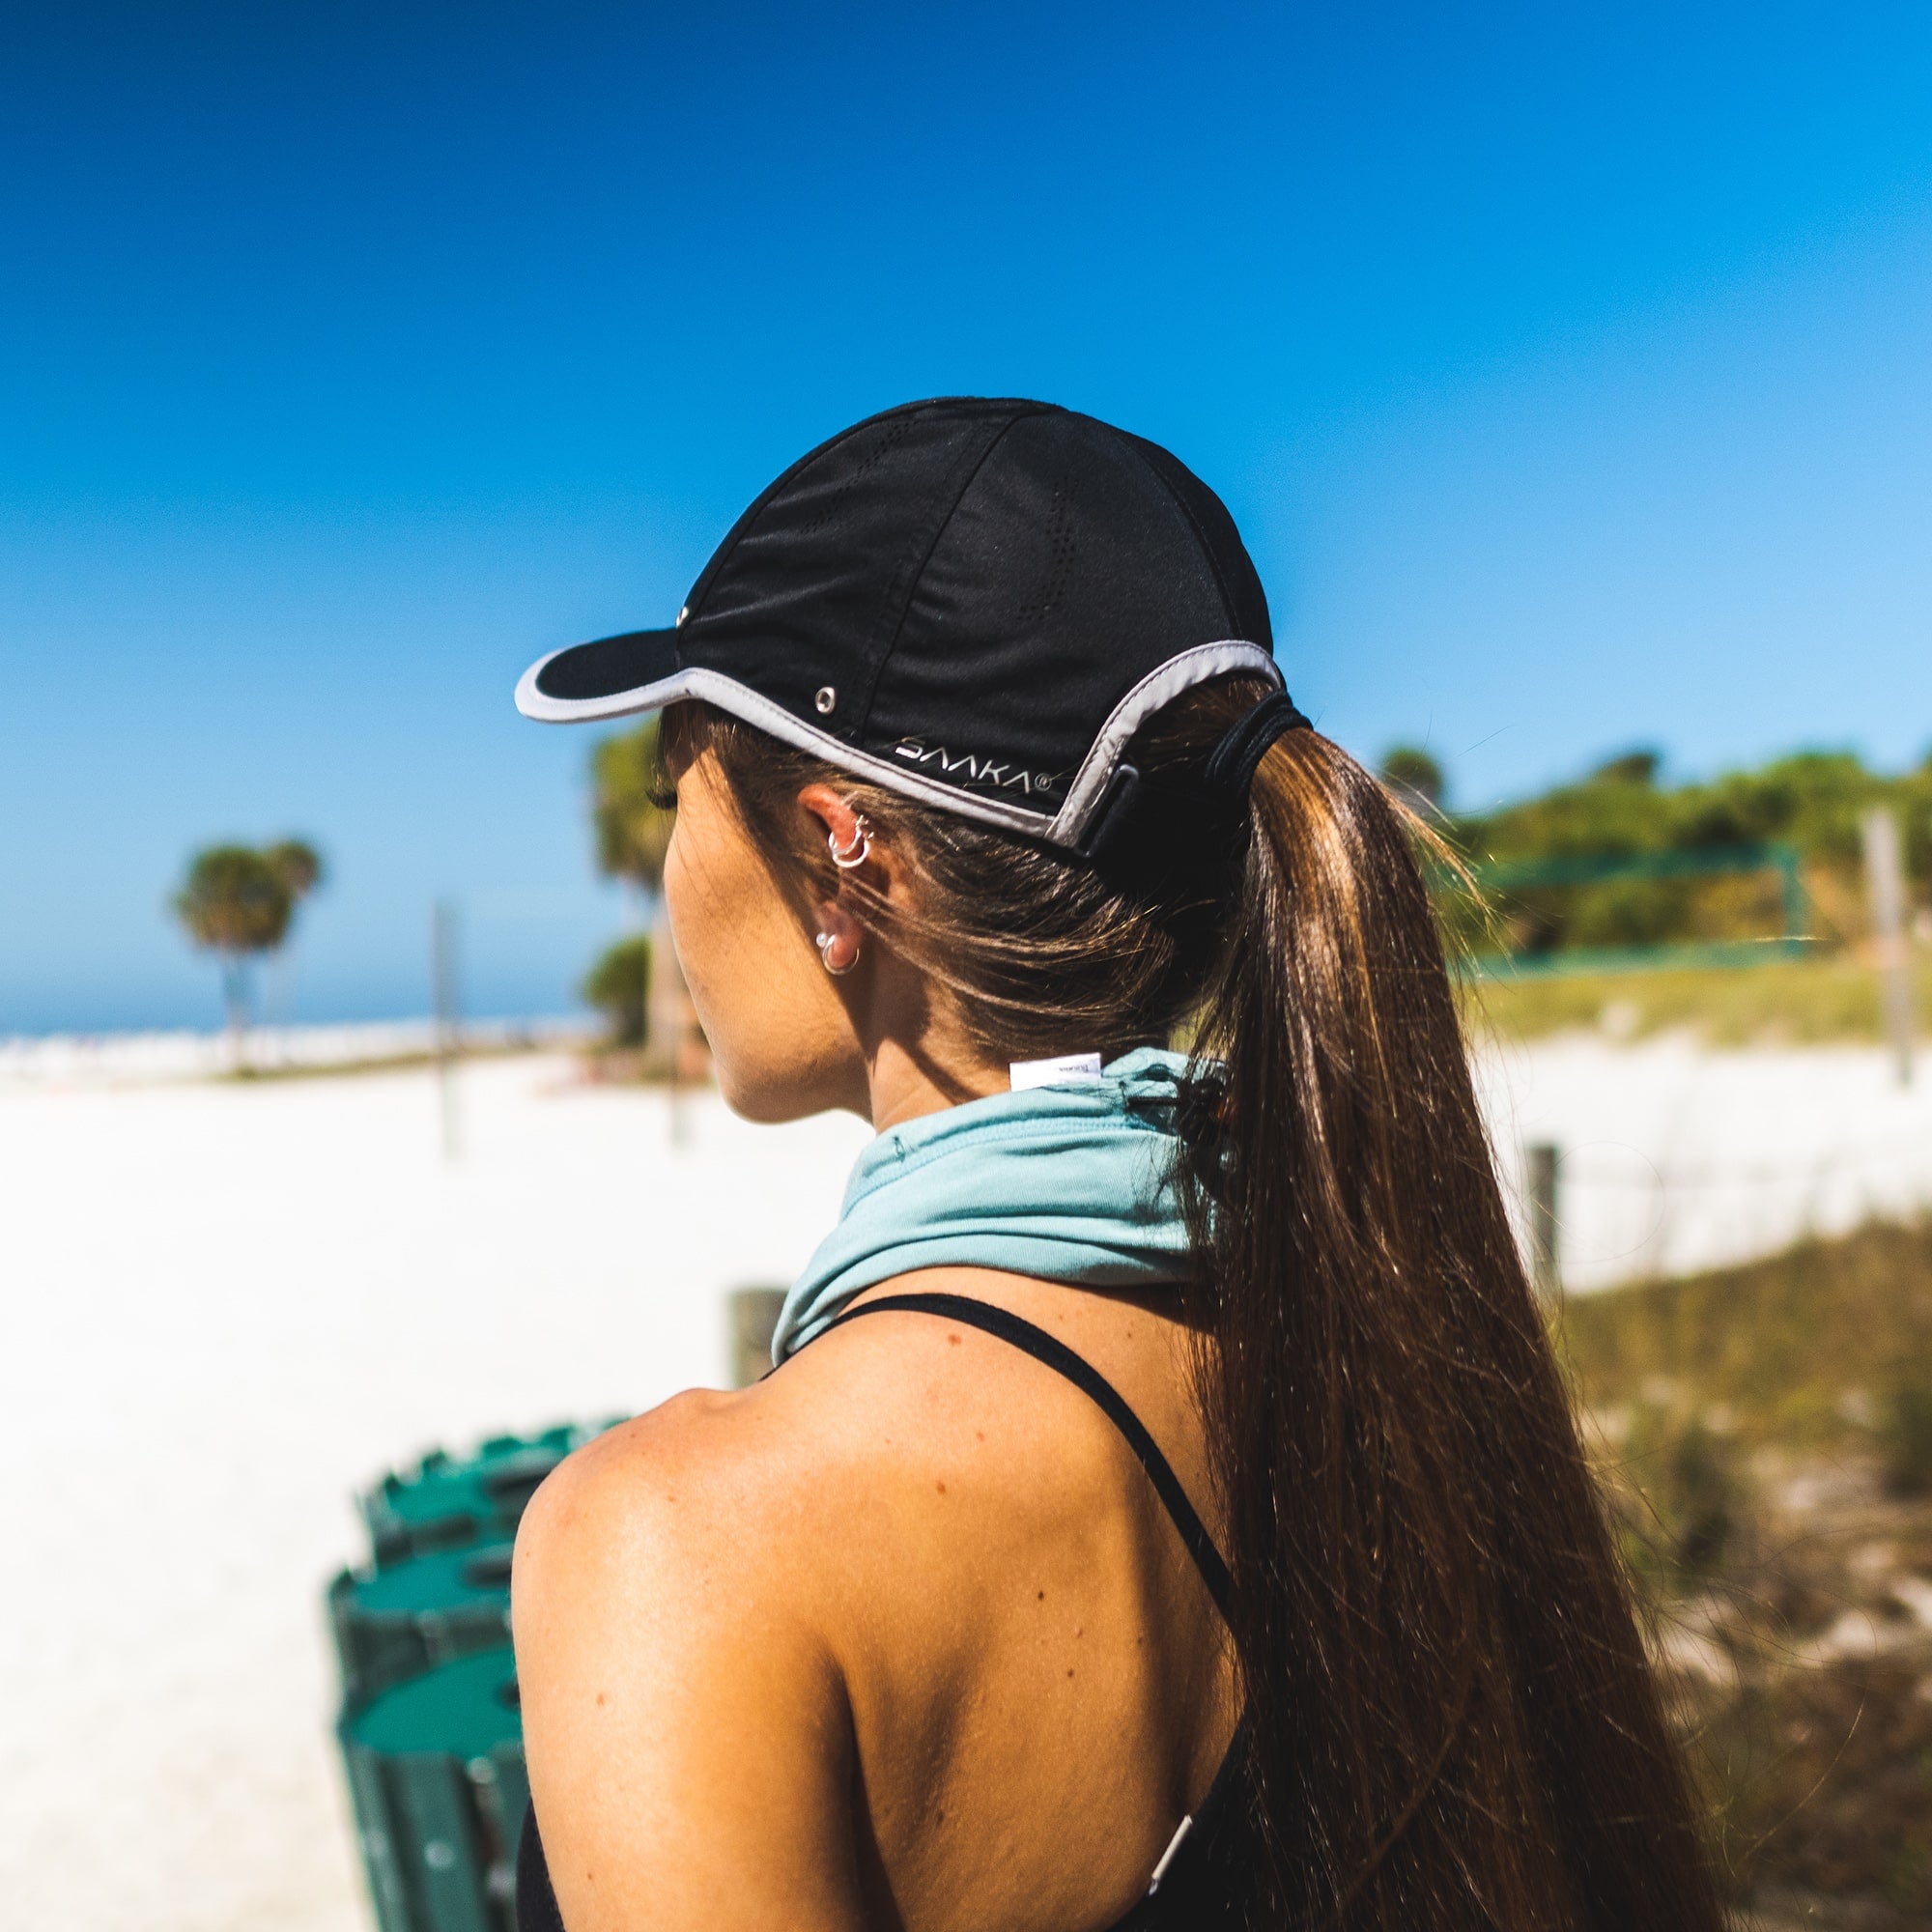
(854, 854)
(824, 944)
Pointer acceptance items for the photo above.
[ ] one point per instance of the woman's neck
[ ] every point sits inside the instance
(905, 1079)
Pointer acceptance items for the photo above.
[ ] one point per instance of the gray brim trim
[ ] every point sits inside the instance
(1064, 826)
(713, 687)
(1154, 693)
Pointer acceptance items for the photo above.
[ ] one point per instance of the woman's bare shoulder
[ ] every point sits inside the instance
(731, 1485)
(716, 1604)
(760, 1490)
(686, 1712)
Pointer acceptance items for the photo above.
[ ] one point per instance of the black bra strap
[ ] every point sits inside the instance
(1059, 1357)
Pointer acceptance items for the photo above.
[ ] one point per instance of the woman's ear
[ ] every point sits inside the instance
(854, 850)
(845, 829)
(856, 844)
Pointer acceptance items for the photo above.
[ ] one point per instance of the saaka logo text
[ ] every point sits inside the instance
(1000, 773)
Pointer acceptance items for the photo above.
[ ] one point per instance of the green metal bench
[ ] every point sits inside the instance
(436, 1775)
(401, 1619)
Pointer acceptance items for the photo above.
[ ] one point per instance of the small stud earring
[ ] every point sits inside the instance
(825, 943)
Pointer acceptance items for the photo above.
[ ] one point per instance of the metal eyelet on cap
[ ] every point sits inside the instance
(826, 698)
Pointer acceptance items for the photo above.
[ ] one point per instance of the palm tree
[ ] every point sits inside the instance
(633, 823)
(619, 986)
(299, 864)
(238, 904)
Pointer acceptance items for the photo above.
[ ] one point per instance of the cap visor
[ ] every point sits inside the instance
(610, 679)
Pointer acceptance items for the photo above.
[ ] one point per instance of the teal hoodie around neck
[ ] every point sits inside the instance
(1072, 1183)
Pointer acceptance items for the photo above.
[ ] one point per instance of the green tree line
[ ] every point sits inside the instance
(1810, 800)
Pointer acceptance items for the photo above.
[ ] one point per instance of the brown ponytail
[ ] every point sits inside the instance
(1454, 1725)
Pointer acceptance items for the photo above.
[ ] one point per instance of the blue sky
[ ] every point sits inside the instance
(1567, 369)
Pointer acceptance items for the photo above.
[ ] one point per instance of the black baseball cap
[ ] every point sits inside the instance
(975, 603)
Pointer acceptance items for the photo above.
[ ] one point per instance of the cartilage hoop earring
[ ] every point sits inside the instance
(851, 857)
(824, 945)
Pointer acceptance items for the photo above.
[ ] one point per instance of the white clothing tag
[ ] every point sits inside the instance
(1068, 1069)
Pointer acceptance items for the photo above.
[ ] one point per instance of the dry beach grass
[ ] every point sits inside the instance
(1804, 1002)
(1767, 1435)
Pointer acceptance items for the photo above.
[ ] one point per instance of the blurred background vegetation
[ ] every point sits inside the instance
(631, 823)
(1810, 800)
(239, 902)
(1832, 995)
(651, 1029)
(1609, 901)
(1765, 1434)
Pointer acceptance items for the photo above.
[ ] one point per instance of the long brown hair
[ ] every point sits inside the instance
(1454, 1724)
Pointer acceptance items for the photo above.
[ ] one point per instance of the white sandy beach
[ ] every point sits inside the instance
(227, 1305)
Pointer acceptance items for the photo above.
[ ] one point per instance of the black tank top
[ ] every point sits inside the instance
(1206, 1875)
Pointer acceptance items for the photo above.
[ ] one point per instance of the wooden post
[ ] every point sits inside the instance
(1884, 889)
(755, 1314)
(1540, 1159)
